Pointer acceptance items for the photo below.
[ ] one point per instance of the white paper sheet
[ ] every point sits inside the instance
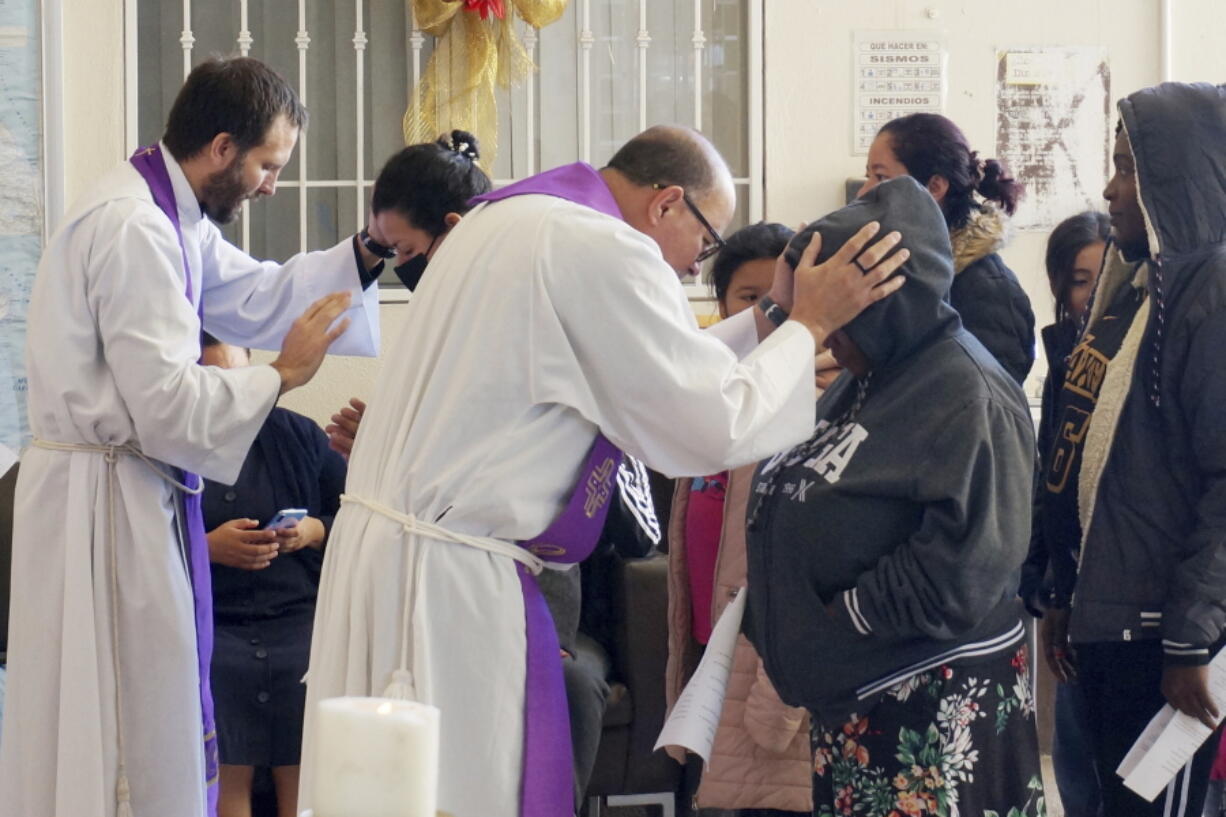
(694, 719)
(1169, 741)
(7, 457)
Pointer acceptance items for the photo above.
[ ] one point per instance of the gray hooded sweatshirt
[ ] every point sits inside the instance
(908, 514)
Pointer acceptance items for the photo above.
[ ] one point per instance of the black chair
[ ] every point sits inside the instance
(628, 770)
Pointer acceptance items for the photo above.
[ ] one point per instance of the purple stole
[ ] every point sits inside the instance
(548, 761)
(151, 165)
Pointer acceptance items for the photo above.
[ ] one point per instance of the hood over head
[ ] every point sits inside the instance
(891, 329)
(1177, 133)
(1178, 137)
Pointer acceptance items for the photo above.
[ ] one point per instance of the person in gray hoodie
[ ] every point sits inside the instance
(1138, 470)
(884, 551)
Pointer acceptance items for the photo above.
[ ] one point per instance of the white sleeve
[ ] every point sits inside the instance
(616, 339)
(738, 332)
(252, 303)
(202, 419)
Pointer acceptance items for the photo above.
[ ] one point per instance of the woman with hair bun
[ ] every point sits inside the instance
(977, 198)
(420, 195)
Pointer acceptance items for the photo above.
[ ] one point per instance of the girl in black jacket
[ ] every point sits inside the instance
(1074, 257)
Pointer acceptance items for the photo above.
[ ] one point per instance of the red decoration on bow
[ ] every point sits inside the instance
(486, 7)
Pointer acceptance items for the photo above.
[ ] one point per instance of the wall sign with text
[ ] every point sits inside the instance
(894, 73)
(1054, 129)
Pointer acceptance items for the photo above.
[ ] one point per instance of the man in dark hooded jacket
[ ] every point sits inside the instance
(1138, 471)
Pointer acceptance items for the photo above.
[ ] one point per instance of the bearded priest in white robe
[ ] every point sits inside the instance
(104, 708)
(549, 314)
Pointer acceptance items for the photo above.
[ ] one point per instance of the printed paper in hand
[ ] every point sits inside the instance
(694, 719)
(1169, 741)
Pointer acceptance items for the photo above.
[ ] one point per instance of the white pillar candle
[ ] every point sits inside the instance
(376, 757)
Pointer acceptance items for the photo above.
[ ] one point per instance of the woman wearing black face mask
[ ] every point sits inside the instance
(420, 194)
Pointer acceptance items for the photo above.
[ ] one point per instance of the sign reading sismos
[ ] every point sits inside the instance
(894, 73)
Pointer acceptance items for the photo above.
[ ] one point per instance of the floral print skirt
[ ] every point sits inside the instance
(956, 741)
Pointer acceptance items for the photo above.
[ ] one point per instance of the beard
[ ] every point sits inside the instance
(224, 192)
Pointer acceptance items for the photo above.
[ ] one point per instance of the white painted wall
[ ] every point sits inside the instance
(343, 377)
(93, 91)
(808, 103)
(808, 83)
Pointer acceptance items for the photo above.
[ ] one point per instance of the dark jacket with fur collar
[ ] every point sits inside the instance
(986, 293)
(1152, 488)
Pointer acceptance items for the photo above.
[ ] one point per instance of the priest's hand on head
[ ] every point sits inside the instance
(344, 427)
(240, 543)
(830, 294)
(308, 340)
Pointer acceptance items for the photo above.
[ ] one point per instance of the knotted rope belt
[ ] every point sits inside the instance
(111, 454)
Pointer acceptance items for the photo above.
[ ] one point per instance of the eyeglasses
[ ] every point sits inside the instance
(717, 241)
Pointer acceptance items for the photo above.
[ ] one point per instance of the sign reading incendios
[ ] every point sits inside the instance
(894, 73)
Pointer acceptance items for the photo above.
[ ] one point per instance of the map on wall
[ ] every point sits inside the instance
(21, 204)
(1053, 123)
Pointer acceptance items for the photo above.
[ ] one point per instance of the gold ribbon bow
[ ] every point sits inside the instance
(471, 57)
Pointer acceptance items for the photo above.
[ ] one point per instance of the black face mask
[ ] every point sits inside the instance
(410, 271)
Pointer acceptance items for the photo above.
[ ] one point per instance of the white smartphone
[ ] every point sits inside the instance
(286, 518)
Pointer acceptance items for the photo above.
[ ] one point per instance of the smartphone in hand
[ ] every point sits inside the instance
(286, 518)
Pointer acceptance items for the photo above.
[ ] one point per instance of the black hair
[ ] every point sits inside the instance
(762, 240)
(929, 144)
(426, 182)
(669, 155)
(239, 96)
(1070, 237)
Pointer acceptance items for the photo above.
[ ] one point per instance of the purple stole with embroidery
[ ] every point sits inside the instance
(548, 764)
(151, 165)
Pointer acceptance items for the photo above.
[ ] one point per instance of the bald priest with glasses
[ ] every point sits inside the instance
(549, 334)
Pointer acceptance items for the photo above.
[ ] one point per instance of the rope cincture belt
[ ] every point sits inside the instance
(421, 527)
(112, 453)
(402, 685)
(548, 765)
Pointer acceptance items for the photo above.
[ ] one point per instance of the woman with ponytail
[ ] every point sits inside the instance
(977, 198)
(420, 195)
